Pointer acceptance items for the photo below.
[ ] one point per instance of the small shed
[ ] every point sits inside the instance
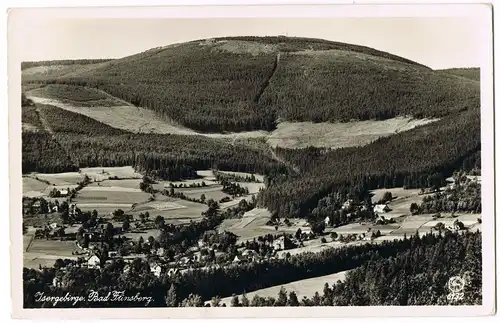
(94, 262)
(381, 208)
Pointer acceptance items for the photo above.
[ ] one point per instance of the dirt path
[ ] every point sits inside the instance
(281, 160)
(32, 237)
(266, 82)
(43, 120)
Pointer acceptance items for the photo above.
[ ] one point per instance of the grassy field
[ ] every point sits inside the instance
(337, 135)
(107, 199)
(305, 287)
(95, 174)
(121, 183)
(142, 233)
(77, 95)
(174, 211)
(46, 252)
(402, 199)
(211, 192)
(32, 184)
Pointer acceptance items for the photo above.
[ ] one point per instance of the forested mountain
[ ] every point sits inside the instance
(248, 83)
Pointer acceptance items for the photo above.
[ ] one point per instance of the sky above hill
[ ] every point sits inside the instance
(436, 42)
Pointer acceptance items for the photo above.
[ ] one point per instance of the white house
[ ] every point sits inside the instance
(327, 221)
(56, 282)
(155, 269)
(63, 192)
(381, 209)
(172, 271)
(94, 262)
(53, 225)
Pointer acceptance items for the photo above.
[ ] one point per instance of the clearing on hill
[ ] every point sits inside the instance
(305, 287)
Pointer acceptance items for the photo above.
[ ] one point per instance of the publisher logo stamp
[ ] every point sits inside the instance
(456, 285)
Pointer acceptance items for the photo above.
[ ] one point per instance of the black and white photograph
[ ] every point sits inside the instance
(320, 163)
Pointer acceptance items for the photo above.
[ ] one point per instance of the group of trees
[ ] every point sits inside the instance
(233, 189)
(344, 87)
(81, 96)
(219, 176)
(464, 196)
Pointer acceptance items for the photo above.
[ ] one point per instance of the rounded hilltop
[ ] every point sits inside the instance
(235, 84)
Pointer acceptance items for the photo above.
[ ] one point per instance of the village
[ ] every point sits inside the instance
(223, 235)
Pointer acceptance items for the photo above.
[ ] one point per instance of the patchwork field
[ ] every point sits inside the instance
(95, 174)
(305, 287)
(174, 211)
(211, 192)
(46, 252)
(108, 199)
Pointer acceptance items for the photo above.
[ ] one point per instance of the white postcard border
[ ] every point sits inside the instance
(487, 134)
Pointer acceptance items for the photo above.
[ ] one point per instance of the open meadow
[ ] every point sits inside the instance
(46, 252)
(402, 199)
(305, 287)
(173, 210)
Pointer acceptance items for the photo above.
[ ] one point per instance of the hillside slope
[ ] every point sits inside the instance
(249, 83)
